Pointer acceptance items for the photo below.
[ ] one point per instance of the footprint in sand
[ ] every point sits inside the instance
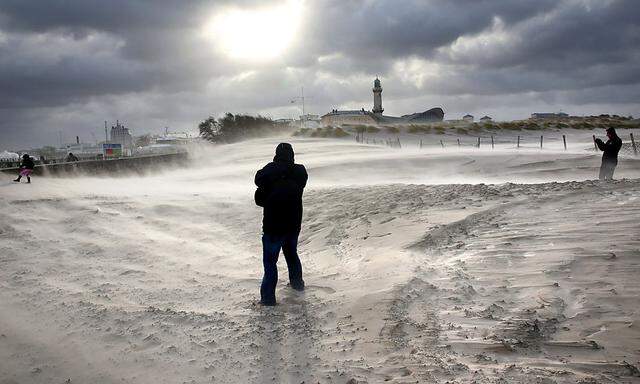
(318, 288)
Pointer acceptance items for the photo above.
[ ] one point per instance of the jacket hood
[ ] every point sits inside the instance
(284, 153)
(612, 131)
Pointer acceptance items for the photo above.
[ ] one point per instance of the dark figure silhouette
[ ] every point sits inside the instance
(610, 151)
(71, 157)
(280, 186)
(26, 168)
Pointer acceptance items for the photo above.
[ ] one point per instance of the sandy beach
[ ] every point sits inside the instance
(422, 266)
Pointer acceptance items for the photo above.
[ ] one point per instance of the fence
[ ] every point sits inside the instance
(629, 148)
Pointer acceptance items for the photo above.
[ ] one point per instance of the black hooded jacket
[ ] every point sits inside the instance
(280, 186)
(27, 163)
(610, 149)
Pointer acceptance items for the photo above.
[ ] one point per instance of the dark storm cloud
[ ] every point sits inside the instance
(61, 59)
(584, 42)
(389, 29)
(82, 15)
(570, 36)
(58, 52)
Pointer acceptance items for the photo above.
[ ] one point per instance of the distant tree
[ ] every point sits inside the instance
(231, 128)
(209, 129)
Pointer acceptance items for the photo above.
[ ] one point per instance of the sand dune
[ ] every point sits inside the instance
(422, 266)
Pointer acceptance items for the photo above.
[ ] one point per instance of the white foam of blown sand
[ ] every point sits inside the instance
(416, 272)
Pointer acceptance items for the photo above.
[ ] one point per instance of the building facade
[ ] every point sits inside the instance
(375, 116)
(121, 135)
(337, 118)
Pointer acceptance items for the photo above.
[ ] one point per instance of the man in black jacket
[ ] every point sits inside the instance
(26, 168)
(280, 186)
(610, 151)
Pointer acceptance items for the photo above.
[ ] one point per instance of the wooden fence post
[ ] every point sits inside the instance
(541, 141)
(594, 142)
(458, 142)
(518, 145)
(420, 143)
(399, 145)
(441, 143)
(564, 140)
(492, 142)
(633, 144)
(478, 142)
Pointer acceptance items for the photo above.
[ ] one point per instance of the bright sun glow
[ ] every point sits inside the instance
(258, 34)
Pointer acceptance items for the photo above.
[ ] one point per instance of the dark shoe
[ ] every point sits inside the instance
(298, 286)
(16, 180)
(268, 303)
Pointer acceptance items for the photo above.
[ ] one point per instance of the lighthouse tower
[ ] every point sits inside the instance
(377, 97)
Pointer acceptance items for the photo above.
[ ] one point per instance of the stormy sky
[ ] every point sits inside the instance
(67, 66)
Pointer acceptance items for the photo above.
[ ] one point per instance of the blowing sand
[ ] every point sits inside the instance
(421, 267)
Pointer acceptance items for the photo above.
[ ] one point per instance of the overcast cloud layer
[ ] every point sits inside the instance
(67, 66)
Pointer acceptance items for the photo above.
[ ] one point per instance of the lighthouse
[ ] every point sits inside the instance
(377, 97)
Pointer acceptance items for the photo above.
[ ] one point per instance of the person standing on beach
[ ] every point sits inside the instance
(26, 168)
(280, 186)
(71, 157)
(610, 151)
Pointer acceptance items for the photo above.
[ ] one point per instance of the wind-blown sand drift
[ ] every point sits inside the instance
(416, 272)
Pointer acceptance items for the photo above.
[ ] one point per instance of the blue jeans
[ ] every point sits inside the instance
(271, 245)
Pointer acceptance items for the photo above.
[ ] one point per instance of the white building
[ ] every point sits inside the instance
(309, 121)
(375, 117)
(121, 135)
